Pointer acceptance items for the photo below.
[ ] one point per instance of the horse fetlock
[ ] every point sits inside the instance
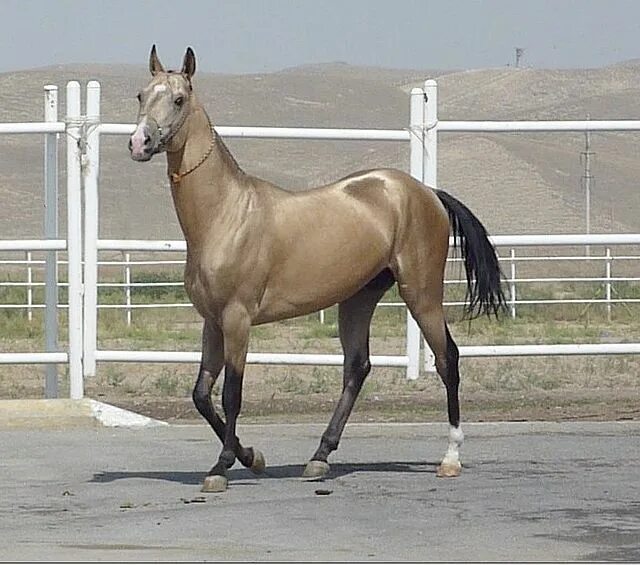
(226, 460)
(451, 466)
(328, 443)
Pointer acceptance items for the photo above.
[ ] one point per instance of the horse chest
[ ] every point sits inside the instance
(198, 288)
(209, 288)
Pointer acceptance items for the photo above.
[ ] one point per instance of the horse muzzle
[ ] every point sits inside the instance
(145, 141)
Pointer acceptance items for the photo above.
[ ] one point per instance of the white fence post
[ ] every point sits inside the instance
(90, 177)
(51, 232)
(430, 170)
(512, 285)
(29, 287)
(74, 239)
(416, 144)
(608, 285)
(127, 288)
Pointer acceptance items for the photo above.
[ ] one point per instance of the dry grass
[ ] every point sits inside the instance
(509, 387)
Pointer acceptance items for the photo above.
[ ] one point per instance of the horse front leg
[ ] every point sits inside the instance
(235, 329)
(210, 366)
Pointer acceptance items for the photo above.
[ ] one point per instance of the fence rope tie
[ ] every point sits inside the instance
(419, 131)
(86, 125)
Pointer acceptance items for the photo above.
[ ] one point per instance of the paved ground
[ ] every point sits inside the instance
(538, 491)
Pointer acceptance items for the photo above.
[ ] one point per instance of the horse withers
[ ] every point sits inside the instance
(257, 253)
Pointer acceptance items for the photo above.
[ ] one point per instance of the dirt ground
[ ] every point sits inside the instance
(561, 405)
(552, 389)
(307, 394)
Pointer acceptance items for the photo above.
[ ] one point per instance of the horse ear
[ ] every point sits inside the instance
(155, 66)
(189, 63)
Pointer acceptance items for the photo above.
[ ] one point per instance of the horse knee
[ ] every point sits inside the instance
(356, 369)
(200, 397)
(330, 441)
(201, 394)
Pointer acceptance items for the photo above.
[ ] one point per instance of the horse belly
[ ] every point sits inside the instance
(307, 286)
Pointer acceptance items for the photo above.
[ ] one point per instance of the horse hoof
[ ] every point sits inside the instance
(259, 464)
(449, 470)
(215, 483)
(315, 470)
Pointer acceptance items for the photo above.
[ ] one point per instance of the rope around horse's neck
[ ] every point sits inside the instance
(176, 178)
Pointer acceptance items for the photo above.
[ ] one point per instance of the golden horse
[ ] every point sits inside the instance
(257, 253)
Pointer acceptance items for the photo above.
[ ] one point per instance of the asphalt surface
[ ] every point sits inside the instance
(529, 491)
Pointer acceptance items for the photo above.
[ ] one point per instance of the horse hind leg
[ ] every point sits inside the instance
(354, 316)
(451, 466)
(429, 314)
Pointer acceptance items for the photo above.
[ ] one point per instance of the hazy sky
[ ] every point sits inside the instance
(264, 35)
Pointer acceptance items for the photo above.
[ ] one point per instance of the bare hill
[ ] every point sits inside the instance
(515, 182)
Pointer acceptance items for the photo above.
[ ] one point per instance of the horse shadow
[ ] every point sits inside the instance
(273, 472)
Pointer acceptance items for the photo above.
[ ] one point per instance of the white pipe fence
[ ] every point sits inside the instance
(83, 139)
(128, 286)
(50, 127)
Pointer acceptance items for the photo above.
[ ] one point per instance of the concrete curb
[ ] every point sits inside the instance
(64, 413)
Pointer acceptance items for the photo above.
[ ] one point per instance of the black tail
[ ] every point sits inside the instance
(484, 277)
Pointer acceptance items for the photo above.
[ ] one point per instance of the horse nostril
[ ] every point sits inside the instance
(147, 140)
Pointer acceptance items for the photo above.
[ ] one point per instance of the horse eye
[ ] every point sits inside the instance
(179, 101)
(139, 97)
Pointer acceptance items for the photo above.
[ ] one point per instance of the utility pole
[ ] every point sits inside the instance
(587, 179)
(519, 54)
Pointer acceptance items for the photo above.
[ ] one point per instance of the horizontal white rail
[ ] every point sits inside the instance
(33, 245)
(565, 239)
(122, 356)
(555, 349)
(496, 126)
(459, 126)
(36, 358)
(533, 240)
(141, 245)
(152, 306)
(31, 306)
(134, 284)
(263, 132)
(135, 262)
(32, 127)
(263, 358)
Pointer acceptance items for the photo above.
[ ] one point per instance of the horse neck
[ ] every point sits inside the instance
(213, 189)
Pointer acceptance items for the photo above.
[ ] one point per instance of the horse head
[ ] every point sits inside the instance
(165, 104)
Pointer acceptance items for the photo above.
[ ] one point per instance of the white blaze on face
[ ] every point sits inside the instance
(159, 88)
(456, 437)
